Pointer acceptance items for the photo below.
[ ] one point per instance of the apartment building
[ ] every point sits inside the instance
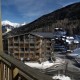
(31, 46)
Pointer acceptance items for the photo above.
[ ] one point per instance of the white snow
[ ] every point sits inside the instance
(8, 30)
(70, 37)
(45, 64)
(56, 28)
(6, 22)
(23, 23)
(61, 77)
(76, 41)
(63, 39)
(68, 41)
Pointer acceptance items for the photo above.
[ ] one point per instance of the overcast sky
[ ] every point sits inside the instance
(28, 10)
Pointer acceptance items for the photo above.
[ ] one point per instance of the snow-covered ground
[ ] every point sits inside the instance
(44, 65)
(61, 77)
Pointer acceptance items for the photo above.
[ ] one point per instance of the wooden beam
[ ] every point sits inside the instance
(10, 74)
(1, 71)
(1, 45)
(15, 72)
(6, 72)
(23, 75)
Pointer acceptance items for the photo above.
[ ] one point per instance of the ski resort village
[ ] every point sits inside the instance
(47, 48)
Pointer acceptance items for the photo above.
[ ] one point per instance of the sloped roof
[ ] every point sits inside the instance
(43, 34)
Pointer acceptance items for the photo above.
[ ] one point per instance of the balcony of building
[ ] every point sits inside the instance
(26, 41)
(16, 39)
(10, 40)
(10, 44)
(21, 45)
(21, 38)
(16, 50)
(16, 44)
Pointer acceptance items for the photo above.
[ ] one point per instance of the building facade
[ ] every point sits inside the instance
(30, 46)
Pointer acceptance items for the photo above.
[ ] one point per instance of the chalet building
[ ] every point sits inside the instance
(31, 46)
(73, 42)
(64, 42)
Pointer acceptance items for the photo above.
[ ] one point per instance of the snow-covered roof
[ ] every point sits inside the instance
(76, 41)
(56, 28)
(43, 34)
(59, 33)
(69, 37)
(69, 41)
(63, 39)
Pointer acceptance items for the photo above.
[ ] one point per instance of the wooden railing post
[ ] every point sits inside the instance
(1, 45)
(11, 73)
(1, 71)
(6, 72)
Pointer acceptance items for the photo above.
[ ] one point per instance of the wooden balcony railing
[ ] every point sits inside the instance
(13, 69)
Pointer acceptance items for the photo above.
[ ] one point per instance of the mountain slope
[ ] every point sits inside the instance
(68, 16)
(9, 26)
(6, 22)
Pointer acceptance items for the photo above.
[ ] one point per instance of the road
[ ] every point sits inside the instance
(71, 63)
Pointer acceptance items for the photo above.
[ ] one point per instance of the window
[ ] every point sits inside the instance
(16, 54)
(22, 49)
(31, 44)
(26, 49)
(16, 38)
(16, 44)
(37, 54)
(21, 55)
(31, 40)
(48, 48)
(32, 49)
(21, 38)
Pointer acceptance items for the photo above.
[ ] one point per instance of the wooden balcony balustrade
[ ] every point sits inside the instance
(13, 69)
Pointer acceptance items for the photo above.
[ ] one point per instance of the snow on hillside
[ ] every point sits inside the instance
(8, 26)
(6, 22)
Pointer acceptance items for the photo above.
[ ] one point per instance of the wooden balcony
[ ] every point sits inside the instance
(13, 69)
